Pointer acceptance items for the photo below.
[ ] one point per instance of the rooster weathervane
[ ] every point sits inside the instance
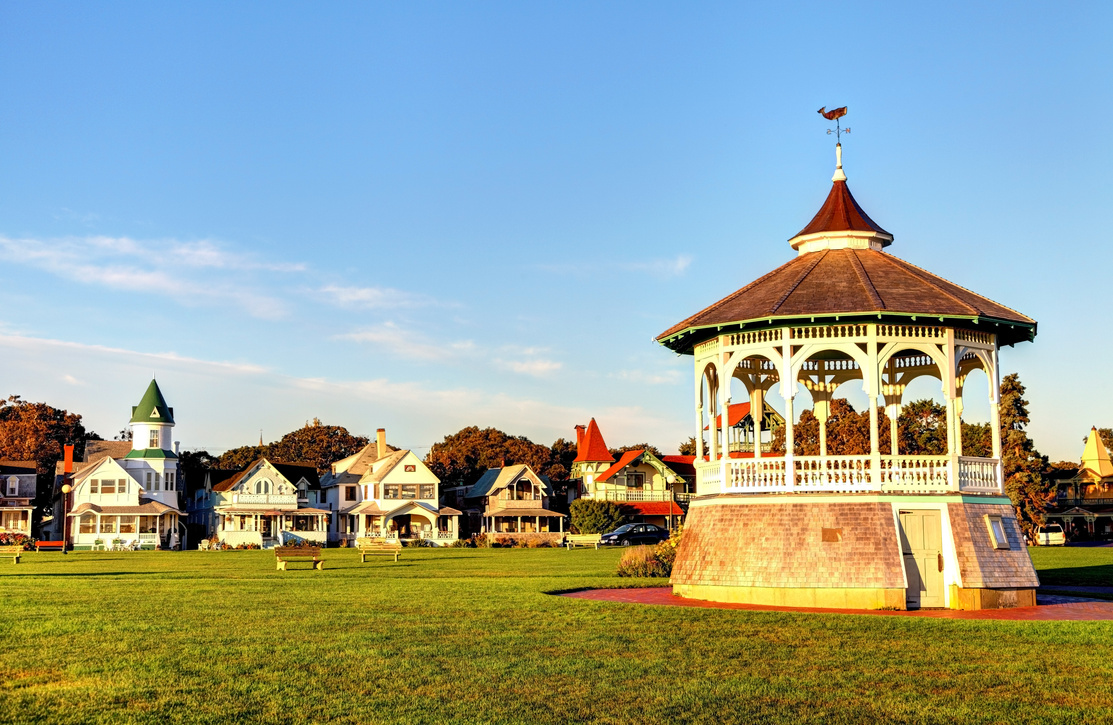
(834, 115)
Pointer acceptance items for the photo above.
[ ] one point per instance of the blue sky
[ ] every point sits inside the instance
(424, 216)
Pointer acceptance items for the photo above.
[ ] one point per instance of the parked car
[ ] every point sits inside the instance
(1051, 535)
(635, 534)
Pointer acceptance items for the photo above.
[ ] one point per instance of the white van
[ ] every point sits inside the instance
(1051, 535)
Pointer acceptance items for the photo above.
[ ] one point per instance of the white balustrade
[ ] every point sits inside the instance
(915, 473)
(833, 473)
(265, 499)
(756, 474)
(978, 474)
(846, 474)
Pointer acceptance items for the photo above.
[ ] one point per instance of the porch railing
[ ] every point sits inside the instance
(837, 474)
(632, 494)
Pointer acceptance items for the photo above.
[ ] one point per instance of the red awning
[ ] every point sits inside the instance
(654, 508)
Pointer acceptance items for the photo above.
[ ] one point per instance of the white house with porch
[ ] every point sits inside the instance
(267, 504)
(17, 496)
(390, 494)
(128, 500)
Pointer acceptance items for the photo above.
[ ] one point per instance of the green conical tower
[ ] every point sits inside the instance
(152, 408)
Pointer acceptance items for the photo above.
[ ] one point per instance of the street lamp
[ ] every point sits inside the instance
(66, 517)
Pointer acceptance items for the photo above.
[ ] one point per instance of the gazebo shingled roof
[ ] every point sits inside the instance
(849, 285)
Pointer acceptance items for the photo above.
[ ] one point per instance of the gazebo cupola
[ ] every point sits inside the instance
(844, 310)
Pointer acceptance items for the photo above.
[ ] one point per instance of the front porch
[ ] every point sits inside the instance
(268, 529)
(412, 522)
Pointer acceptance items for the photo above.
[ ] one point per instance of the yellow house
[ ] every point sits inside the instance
(1084, 504)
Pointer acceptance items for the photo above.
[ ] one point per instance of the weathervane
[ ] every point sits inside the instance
(834, 115)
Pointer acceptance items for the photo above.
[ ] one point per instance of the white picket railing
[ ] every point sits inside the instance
(837, 474)
(833, 473)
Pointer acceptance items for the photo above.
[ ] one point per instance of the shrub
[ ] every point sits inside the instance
(537, 542)
(9, 539)
(641, 561)
(655, 561)
(596, 517)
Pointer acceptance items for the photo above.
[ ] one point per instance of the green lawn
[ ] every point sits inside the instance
(461, 635)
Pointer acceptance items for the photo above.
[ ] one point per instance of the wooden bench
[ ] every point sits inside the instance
(51, 546)
(371, 547)
(14, 551)
(284, 554)
(574, 540)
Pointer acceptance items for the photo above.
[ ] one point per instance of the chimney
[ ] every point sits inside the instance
(177, 448)
(579, 438)
(68, 467)
(380, 442)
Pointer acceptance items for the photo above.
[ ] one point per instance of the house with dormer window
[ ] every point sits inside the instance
(647, 488)
(386, 493)
(516, 502)
(266, 504)
(125, 493)
(17, 496)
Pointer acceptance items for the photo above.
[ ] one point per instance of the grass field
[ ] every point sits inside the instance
(459, 635)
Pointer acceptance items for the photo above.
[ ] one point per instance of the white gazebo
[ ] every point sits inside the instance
(879, 528)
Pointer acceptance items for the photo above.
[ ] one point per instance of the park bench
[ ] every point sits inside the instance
(51, 546)
(371, 547)
(15, 551)
(284, 554)
(574, 540)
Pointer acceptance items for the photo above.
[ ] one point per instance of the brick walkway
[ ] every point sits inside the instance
(1057, 608)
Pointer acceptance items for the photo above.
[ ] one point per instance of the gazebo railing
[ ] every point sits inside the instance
(848, 474)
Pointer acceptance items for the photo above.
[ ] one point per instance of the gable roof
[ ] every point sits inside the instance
(384, 466)
(496, 479)
(292, 472)
(591, 447)
(17, 468)
(683, 466)
(360, 462)
(627, 458)
(152, 408)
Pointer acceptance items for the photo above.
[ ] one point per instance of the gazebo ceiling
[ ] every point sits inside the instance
(842, 275)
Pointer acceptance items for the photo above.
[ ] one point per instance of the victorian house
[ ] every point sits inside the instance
(125, 493)
(517, 502)
(266, 504)
(17, 497)
(1084, 499)
(387, 493)
(647, 487)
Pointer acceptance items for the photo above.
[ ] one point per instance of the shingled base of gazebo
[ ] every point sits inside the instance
(844, 551)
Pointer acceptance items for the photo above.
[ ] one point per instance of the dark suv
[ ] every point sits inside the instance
(635, 534)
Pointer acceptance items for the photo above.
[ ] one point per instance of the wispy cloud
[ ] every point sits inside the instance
(537, 367)
(408, 344)
(643, 377)
(181, 270)
(150, 359)
(375, 298)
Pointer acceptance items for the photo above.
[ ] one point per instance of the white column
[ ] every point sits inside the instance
(949, 390)
(788, 393)
(873, 375)
(995, 416)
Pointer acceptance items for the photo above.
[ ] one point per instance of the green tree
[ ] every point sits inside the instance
(590, 516)
(234, 459)
(316, 444)
(922, 428)
(1021, 463)
(688, 447)
(616, 452)
(461, 458)
(562, 453)
(977, 440)
(194, 464)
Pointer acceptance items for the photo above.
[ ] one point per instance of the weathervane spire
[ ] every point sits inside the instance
(834, 115)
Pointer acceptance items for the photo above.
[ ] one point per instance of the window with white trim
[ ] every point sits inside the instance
(997, 534)
(155, 443)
